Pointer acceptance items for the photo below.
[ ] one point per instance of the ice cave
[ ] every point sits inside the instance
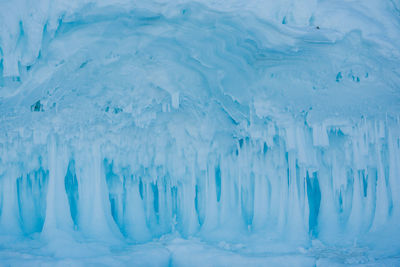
(200, 133)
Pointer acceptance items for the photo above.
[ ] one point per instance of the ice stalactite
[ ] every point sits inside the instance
(58, 214)
(336, 183)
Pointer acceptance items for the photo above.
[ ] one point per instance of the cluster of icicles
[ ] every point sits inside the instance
(295, 183)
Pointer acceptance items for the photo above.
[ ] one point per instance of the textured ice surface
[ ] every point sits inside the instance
(200, 134)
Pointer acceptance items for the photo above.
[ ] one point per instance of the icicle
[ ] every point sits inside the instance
(189, 222)
(95, 218)
(382, 201)
(260, 202)
(9, 223)
(295, 224)
(229, 198)
(394, 171)
(328, 222)
(356, 215)
(135, 219)
(211, 204)
(58, 215)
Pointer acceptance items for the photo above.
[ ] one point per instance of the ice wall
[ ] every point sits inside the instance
(127, 121)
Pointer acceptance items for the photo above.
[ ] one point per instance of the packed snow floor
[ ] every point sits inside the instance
(171, 250)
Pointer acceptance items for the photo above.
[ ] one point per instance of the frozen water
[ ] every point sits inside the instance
(200, 134)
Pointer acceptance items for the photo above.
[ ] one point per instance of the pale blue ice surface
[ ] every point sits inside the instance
(200, 134)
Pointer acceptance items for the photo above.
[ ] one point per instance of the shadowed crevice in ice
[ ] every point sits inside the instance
(71, 188)
(314, 201)
(31, 190)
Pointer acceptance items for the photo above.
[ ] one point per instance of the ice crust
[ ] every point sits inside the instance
(176, 134)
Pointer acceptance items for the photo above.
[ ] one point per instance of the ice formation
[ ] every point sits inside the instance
(241, 133)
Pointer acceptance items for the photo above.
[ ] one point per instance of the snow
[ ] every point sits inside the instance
(179, 133)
